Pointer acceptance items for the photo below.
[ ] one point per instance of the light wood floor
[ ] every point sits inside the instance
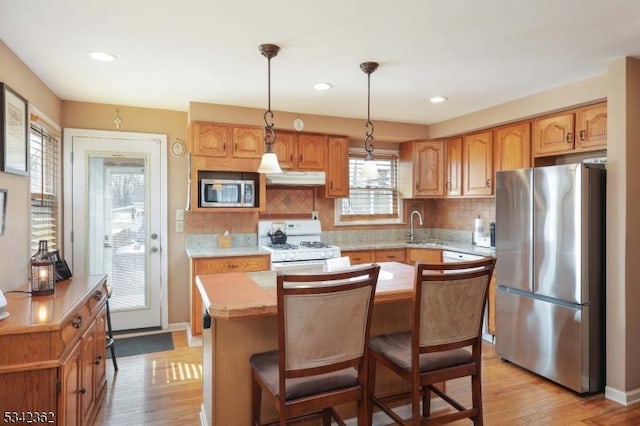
(164, 388)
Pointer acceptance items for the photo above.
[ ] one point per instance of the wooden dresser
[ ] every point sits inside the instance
(52, 354)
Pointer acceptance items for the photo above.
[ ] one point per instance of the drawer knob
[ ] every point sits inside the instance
(98, 360)
(97, 295)
(77, 321)
(83, 390)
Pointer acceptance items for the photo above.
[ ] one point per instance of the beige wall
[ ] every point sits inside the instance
(14, 247)
(565, 97)
(173, 124)
(623, 226)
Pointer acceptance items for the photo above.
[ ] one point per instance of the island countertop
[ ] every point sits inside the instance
(253, 294)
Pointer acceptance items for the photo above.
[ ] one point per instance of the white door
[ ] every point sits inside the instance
(115, 219)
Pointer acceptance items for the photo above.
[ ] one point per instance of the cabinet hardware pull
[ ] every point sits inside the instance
(83, 390)
(291, 158)
(569, 137)
(488, 183)
(77, 321)
(583, 135)
(224, 146)
(331, 185)
(98, 360)
(300, 158)
(236, 147)
(97, 295)
(391, 257)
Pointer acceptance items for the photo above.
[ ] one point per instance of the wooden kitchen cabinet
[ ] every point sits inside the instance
(423, 255)
(337, 179)
(226, 141)
(300, 151)
(591, 127)
(390, 255)
(578, 130)
(212, 265)
(477, 164)
(358, 257)
(512, 147)
(453, 184)
(52, 352)
(421, 169)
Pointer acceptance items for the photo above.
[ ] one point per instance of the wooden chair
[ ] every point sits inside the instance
(110, 342)
(446, 313)
(323, 331)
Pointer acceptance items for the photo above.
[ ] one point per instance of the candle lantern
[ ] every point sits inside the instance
(42, 271)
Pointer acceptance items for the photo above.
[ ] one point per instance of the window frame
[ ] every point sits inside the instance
(48, 136)
(372, 219)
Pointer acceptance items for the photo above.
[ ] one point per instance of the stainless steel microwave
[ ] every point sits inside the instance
(227, 193)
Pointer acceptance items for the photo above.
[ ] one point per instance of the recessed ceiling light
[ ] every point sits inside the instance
(437, 99)
(102, 56)
(322, 86)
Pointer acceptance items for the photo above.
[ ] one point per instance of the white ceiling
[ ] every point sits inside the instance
(476, 53)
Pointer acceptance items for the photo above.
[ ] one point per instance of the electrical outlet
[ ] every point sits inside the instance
(314, 215)
(179, 214)
(179, 226)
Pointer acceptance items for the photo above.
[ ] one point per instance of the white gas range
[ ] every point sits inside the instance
(303, 250)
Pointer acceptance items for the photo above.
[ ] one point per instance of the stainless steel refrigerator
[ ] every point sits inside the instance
(550, 270)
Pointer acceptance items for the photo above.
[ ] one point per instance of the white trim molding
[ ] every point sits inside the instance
(622, 397)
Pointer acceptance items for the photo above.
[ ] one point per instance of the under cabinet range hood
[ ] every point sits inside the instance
(296, 178)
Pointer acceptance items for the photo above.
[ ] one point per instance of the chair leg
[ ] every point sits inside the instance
(426, 402)
(476, 397)
(110, 341)
(415, 403)
(256, 401)
(326, 417)
(371, 387)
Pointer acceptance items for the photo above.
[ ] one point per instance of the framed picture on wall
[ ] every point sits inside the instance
(3, 209)
(14, 138)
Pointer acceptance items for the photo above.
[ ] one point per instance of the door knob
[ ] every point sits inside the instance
(154, 236)
(154, 249)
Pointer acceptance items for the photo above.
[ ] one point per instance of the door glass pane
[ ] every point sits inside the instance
(117, 228)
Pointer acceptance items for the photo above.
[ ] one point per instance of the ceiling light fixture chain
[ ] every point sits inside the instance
(269, 51)
(368, 68)
(269, 162)
(369, 170)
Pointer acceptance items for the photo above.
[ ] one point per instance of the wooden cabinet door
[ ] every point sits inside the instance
(69, 402)
(209, 139)
(337, 180)
(203, 266)
(453, 185)
(100, 351)
(553, 135)
(512, 147)
(429, 169)
(285, 149)
(311, 152)
(248, 142)
(591, 127)
(397, 255)
(87, 374)
(358, 257)
(423, 255)
(477, 164)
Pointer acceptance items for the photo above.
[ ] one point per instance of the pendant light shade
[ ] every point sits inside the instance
(369, 169)
(269, 163)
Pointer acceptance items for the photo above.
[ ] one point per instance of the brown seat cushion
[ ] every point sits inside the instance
(266, 365)
(396, 348)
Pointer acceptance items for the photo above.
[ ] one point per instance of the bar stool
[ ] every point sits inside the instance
(109, 339)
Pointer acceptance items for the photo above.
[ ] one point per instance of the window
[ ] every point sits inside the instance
(371, 201)
(44, 168)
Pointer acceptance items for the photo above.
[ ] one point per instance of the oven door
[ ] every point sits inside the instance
(306, 266)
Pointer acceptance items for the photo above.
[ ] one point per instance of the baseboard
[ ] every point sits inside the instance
(203, 416)
(622, 397)
(191, 339)
(404, 411)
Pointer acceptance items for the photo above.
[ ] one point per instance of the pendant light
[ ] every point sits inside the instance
(369, 169)
(269, 163)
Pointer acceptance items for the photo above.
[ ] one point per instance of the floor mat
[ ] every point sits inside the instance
(137, 345)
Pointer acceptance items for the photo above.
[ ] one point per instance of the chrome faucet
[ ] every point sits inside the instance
(411, 233)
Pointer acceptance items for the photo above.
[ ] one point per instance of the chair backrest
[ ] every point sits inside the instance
(449, 303)
(324, 319)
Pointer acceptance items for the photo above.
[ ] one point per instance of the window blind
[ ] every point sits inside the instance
(44, 166)
(372, 198)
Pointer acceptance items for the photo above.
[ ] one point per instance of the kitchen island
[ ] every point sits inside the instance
(241, 320)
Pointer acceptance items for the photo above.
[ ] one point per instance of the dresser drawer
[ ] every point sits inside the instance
(230, 264)
(77, 323)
